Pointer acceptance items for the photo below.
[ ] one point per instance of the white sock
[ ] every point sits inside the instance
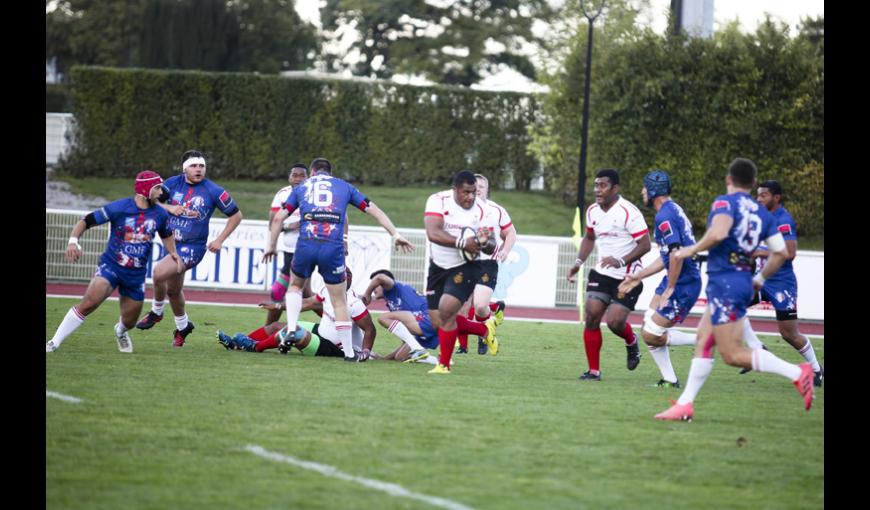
(432, 360)
(180, 322)
(698, 374)
(749, 336)
(120, 329)
(71, 321)
(399, 329)
(343, 329)
(157, 307)
(809, 354)
(662, 357)
(677, 337)
(765, 361)
(293, 303)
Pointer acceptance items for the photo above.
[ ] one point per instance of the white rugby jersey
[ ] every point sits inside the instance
(616, 233)
(291, 237)
(496, 219)
(355, 308)
(443, 205)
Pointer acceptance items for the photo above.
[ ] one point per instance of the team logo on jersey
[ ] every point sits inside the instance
(785, 229)
(665, 228)
(721, 204)
(485, 278)
(225, 199)
(177, 197)
(457, 278)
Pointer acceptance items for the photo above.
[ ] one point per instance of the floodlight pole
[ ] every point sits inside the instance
(584, 132)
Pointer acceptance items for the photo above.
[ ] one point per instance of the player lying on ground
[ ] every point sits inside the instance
(409, 318)
(275, 335)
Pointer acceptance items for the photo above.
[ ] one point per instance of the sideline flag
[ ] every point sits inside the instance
(578, 228)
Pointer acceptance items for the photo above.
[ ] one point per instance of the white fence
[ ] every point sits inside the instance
(57, 126)
(533, 275)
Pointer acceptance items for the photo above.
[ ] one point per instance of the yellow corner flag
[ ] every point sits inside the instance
(578, 229)
(578, 235)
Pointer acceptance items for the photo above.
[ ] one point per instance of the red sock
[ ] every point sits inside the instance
(592, 342)
(628, 335)
(463, 336)
(447, 341)
(493, 307)
(463, 340)
(466, 326)
(267, 343)
(481, 319)
(259, 334)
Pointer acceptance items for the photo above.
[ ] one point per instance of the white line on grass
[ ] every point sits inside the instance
(518, 319)
(326, 470)
(65, 398)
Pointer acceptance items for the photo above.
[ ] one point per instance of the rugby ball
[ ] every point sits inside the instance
(467, 232)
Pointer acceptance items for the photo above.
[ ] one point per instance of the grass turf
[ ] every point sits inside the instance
(166, 428)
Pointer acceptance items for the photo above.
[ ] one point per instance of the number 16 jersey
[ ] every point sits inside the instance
(322, 202)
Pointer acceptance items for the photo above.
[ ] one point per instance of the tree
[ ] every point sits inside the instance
(690, 106)
(266, 36)
(102, 32)
(273, 37)
(189, 34)
(450, 42)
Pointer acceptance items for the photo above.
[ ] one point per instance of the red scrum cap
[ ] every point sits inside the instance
(145, 182)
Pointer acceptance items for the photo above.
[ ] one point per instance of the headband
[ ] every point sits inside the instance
(193, 161)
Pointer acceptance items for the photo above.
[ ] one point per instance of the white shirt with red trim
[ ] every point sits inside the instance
(292, 236)
(496, 219)
(443, 205)
(355, 308)
(616, 233)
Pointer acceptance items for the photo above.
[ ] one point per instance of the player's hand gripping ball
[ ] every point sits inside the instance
(467, 233)
(486, 241)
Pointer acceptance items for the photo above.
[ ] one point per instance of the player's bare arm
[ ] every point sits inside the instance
(380, 280)
(312, 304)
(633, 280)
(398, 241)
(509, 238)
(717, 232)
(274, 230)
(232, 223)
(436, 233)
(675, 265)
(777, 257)
(586, 246)
(369, 332)
(74, 249)
(643, 246)
(174, 210)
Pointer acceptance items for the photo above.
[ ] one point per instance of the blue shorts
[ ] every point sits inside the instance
(130, 285)
(728, 296)
(328, 257)
(429, 339)
(781, 293)
(191, 254)
(681, 301)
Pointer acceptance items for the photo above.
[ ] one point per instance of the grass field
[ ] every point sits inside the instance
(167, 428)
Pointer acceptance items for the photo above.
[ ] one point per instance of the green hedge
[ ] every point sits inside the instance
(57, 98)
(253, 126)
